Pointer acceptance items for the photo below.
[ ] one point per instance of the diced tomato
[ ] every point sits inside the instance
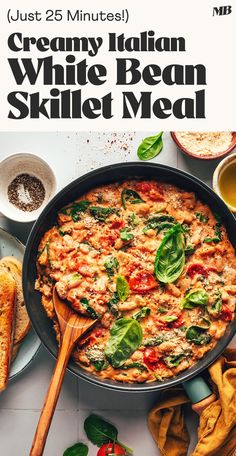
(142, 282)
(212, 269)
(151, 359)
(226, 313)
(98, 332)
(177, 323)
(166, 325)
(155, 191)
(117, 224)
(108, 240)
(197, 268)
(146, 187)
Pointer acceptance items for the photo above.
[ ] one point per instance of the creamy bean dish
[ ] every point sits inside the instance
(154, 265)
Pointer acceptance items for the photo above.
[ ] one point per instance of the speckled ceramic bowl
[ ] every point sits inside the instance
(217, 175)
(22, 163)
(206, 157)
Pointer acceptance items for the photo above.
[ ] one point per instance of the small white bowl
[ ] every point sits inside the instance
(217, 175)
(22, 163)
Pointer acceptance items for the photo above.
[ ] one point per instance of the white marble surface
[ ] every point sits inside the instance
(71, 155)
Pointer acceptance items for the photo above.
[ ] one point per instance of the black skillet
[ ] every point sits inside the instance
(43, 325)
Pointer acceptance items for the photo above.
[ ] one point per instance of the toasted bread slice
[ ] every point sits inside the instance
(7, 320)
(14, 267)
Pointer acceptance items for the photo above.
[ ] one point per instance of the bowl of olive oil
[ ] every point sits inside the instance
(224, 181)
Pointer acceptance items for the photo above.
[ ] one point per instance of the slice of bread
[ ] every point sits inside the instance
(22, 326)
(7, 320)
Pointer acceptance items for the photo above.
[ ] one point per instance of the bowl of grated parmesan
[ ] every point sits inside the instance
(205, 145)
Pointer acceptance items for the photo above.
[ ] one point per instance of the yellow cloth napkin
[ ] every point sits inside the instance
(217, 426)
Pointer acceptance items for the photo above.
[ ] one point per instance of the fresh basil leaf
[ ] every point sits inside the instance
(203, 218)
(111, 265)
(142, 313)
(170, 318)
(170, 256)
(174, 360)
(125, 337)
(194, 298)
(162, 310)
(130, 195)
(153, 341)
(125, 235)
(102, 213)
(122, 288)
(216, 307)
(88, 308)
(136, 365)
(150, 147)
(99, 431)
(198, 335)
(79, 449)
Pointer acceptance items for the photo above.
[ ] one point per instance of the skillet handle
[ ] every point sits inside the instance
(199, 393)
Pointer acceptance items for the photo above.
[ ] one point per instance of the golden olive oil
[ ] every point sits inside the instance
(227, 184)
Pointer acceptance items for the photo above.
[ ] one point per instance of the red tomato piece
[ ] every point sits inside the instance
(111, 449)
(226, 313)
(142, 282)
(197, 268)
(117, 224)
(151, 359)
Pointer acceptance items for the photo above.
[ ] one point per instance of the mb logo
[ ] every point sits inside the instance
(222, 10)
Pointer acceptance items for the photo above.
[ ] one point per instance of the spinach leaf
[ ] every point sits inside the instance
(203, 218)
(162, 310)
(150, 147)
(136, 365)
(79, 449)
(174, 360)
(88, 308)
(125, 235)
(194, 298)
(122, 288)
(75, 209)
(198, 335)
(216, 306)
(153, 341)
(97, 358)
(142, 313)
(170, 256)
(112, 305)
(170, 318)
(111, 266)
(159, 222)
(99, 431)
(125, 337)
(218, 233)
(130, 195)
(189, 249)
(102, 213)
(133, 220)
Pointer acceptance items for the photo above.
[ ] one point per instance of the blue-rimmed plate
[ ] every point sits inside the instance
(11, 246)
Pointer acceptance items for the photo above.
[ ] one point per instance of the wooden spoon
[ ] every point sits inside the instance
(72, 327)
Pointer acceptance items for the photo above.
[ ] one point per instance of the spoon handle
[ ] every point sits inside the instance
(52, 395)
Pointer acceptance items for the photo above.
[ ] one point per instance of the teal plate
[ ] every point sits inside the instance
(11, 246)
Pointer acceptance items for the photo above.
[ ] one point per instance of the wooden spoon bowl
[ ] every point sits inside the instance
(72, 327)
